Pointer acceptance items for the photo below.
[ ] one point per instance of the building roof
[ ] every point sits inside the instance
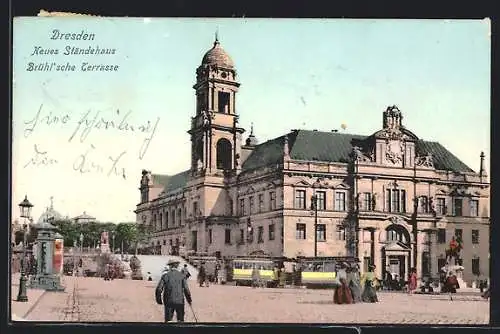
(84, 216)
(316, 146)
(217, 56)
(171, 182)
(336, 147)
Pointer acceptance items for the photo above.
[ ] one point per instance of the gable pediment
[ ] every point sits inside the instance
(341, 186)
(302, 183)
(270, 185)
(441, 192)
(247, 191)
(396, 247)
(458, 192)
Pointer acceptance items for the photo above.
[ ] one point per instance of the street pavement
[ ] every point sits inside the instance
(96, 300)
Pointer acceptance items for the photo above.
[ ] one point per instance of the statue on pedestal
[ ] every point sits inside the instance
(453, 269)
(105, 243)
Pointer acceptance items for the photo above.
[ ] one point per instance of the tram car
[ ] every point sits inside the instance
(242, 268)
(321, 272)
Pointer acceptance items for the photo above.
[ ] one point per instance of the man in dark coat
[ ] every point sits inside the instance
(202, 274)
(173, 286)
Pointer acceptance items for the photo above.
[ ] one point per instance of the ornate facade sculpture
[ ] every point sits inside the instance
(425, 161)
(206, 120)
(360, 156)
(396, 220)
(286, 149)
(394, 152)
(200, 164)
(236, 160)
(144, 179)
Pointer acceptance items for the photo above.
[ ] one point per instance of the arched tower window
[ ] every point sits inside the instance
(161, 221)
(173, 217)
(179, 216)
(224, 149)
(166, 219)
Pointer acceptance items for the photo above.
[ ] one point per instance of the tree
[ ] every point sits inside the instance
(143, 235)
(127, 234)
(68, 230)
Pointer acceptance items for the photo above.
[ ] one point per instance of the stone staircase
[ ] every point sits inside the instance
(156, 263)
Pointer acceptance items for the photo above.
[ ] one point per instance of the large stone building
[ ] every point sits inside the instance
(388, 198)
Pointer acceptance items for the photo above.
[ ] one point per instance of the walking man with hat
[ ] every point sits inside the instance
(171, 290)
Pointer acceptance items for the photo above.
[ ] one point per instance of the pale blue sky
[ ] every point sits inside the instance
(311, 74)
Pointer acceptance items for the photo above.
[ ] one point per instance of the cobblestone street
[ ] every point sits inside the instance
(97, 300)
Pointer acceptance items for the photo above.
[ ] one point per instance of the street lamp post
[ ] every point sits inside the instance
(414, 216)
(75, 244)
(25, 207)
(314, 206)
(81, 251)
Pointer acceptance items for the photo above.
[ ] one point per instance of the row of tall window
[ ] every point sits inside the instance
(228, 240)
(257, 204)
(170, 242)
(168, 219)
(301, 201)
(301, 232)
(474, 236)
(173, 218)
(395, 201)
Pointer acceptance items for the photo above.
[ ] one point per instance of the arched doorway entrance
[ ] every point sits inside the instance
(396, 254)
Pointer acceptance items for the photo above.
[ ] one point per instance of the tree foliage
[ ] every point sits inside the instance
(130, 235)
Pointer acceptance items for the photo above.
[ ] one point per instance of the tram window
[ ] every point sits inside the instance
(329, 267)
(238, 265)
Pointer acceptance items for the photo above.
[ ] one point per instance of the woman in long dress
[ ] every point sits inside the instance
(354, 284)
(369, 281)
(412, 281)
(342, 294)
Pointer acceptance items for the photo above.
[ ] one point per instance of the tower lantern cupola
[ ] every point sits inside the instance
(251, 140)
(392, 118)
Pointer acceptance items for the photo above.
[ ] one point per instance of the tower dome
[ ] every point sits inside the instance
(217, 56)
(50, 213)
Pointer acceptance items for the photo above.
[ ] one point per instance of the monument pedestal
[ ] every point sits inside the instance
(105, 248)
(49, 282)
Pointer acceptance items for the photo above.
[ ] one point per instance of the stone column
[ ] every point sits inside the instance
(433, 254)
(377, 252)
(361, 245)
(203, 235)
(216, 99)
(407, 258)
(420, 246)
